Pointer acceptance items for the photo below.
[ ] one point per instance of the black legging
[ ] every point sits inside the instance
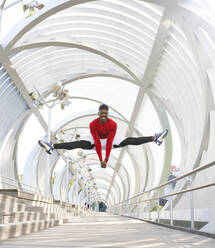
(134, 141)
(83, 144)
(86, 145)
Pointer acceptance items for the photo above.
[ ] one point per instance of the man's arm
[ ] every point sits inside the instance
(96, 139)
(110, 138)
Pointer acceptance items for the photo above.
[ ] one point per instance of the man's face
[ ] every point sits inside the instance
(103, 115)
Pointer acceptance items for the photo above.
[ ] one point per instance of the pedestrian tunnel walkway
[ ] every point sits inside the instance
(152, 63)
(102, 230)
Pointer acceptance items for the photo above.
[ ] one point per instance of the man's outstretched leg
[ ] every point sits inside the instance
(82, 144)
(157, 138)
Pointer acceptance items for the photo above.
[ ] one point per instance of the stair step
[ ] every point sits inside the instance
(23, 213)
(17, 229)
(13, 204)
(16, 217)
(8, 208)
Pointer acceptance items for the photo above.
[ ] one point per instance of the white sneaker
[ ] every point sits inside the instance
(160, 136)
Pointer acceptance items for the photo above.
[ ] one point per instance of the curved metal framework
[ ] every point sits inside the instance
(147, 49)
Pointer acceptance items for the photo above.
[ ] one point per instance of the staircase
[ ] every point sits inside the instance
(23, 213)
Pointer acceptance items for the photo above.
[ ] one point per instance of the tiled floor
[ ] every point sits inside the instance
(109, 231)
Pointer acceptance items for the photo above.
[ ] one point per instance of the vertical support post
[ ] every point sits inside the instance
(171, 212)
(87, 199)
(158, 210)
(48, 157)
(76, 173)
(67, 175)
(149, 213)
(157, 205)
(191, 205)
(191, 210)
(149, 206)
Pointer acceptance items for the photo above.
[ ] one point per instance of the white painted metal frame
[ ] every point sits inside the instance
(173, 57)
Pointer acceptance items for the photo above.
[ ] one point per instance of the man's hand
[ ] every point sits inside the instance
(103, 164)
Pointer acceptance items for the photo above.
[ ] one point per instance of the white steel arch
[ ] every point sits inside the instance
(147, 45)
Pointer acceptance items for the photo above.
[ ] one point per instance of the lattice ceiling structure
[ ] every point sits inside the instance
(130, 54)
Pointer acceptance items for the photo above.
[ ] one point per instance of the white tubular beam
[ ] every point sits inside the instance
(27, 24)
(148, 76)
(19, 84)
(65, 42)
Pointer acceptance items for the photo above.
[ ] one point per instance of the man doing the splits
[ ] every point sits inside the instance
(103, 130)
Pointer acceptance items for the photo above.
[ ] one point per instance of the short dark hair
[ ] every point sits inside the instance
(103, 106)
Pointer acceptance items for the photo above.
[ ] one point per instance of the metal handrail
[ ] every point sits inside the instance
(11, 179)
(172, 194)
(34, 189)
(137, 201)
(175, 179)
